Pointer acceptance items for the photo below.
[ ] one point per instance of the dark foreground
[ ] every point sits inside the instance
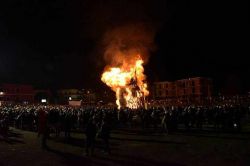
(130, 147)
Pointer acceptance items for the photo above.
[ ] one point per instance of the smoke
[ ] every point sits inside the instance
(124, 43)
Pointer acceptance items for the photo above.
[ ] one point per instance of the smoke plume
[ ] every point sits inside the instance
(124, 43)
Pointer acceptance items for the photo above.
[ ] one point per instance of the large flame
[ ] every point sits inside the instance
(128, 82)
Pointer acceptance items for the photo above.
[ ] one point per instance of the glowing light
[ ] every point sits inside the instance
(128, 82)
(43, 101)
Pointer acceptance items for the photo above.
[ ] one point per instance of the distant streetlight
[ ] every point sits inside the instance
(1, 93)
(43, 101)
(70, 98)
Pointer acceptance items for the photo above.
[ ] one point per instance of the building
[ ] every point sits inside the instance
(43, 95)
(85, 96)
(65, 95)
(186, 90)
(164, 90)
(17, 93)
(89, 97)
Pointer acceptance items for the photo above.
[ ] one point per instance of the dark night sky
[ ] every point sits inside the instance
(55, 44)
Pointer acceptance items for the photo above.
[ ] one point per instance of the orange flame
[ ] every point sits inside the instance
(128, 82)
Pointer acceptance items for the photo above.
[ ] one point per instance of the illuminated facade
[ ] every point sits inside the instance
(185, 90)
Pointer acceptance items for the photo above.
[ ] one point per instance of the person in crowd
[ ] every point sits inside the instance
(4, 125)
(67, 125)
(164, 123)
(104, 134)
(91, 131)
(43, 130)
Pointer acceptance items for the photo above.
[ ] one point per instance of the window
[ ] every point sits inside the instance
(162, 86)
(193, 90)
(158, 93)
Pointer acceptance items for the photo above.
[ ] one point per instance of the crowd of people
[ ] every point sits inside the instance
(57, 119)
(99, 121)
